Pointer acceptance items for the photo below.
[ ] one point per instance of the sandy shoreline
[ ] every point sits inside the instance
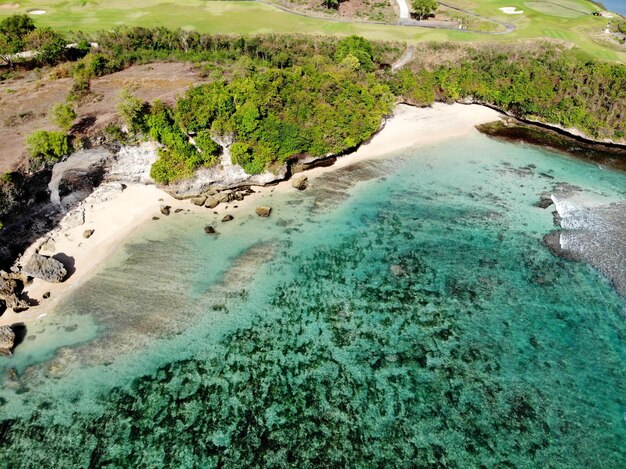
(121, 213)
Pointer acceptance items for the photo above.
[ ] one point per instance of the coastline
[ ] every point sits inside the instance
(114, 218)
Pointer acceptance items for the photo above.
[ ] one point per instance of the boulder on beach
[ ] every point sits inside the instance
(7, 340)
(209, 229)
(45, 268)
(214, 200)
(88, 233)
(227, 218)
(8, 294)
(165, 209)
(199, 201)
(48, 247)
(263, 211)
(300, 182)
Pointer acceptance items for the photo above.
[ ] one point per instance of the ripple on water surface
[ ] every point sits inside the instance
(402, 312)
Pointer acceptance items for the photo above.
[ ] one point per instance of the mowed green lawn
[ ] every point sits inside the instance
(254, 18)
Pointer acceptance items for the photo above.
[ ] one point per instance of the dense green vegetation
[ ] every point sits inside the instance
(48, 147)
(276, 107)
(423, 8)
(278, 97)
(18, 33)
(541, 82)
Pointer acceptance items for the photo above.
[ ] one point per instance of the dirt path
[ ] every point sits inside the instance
(408, 55)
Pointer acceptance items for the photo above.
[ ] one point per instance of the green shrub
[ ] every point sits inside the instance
(357, 47)
(132, 111)
(49, 147)
(62, 115)
(209, 149)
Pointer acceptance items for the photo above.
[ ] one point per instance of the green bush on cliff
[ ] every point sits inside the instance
(179, 157)
(62, 115)
(357, 47)
(540, 82)
(48, 147)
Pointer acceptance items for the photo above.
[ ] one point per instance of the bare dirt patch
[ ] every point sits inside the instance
(25, 102)
(9, 6)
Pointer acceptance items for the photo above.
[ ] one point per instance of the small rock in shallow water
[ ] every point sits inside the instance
(87, 233)
(263, 211)
(178, 210)
(209, 229)
(155, 218)
(397, 270)
(227, 218)
(545, 200)
(46, 295)
(165, 209)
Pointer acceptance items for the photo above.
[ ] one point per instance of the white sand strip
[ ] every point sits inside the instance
(116, 218)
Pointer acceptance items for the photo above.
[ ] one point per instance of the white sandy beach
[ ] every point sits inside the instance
(123, 212)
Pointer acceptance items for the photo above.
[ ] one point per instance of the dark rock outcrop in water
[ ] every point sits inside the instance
(165, 209)
(45, 268)
(553, 242)
(7, 340)
(610, 155)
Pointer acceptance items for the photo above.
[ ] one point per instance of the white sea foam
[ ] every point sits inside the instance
(595, 233)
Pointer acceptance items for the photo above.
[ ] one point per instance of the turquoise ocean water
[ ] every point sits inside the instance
(400, 312)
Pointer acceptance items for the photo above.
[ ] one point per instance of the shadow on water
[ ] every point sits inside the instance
(19, 329)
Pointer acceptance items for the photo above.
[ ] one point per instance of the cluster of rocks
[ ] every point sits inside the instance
(38, 266)
(212, 197)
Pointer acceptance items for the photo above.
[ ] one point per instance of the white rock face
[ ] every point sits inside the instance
(223, 175)
(133, 163)
(80, 163)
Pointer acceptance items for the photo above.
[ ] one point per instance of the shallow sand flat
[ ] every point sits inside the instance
(116, 218)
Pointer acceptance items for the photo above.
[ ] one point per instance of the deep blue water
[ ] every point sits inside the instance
(617, 6)
(400, 312)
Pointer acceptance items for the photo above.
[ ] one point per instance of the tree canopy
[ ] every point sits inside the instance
(424, 8)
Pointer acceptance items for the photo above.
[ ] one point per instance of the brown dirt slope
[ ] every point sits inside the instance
(25, 102)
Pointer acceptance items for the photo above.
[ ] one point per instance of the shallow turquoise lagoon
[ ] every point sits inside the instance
(400, 312)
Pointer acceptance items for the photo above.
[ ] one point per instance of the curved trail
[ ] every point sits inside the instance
(408, 55)
(404, 20)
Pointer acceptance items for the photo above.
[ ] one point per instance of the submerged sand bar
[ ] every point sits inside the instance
(116, 218)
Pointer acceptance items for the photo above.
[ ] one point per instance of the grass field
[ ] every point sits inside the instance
(553, 21)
